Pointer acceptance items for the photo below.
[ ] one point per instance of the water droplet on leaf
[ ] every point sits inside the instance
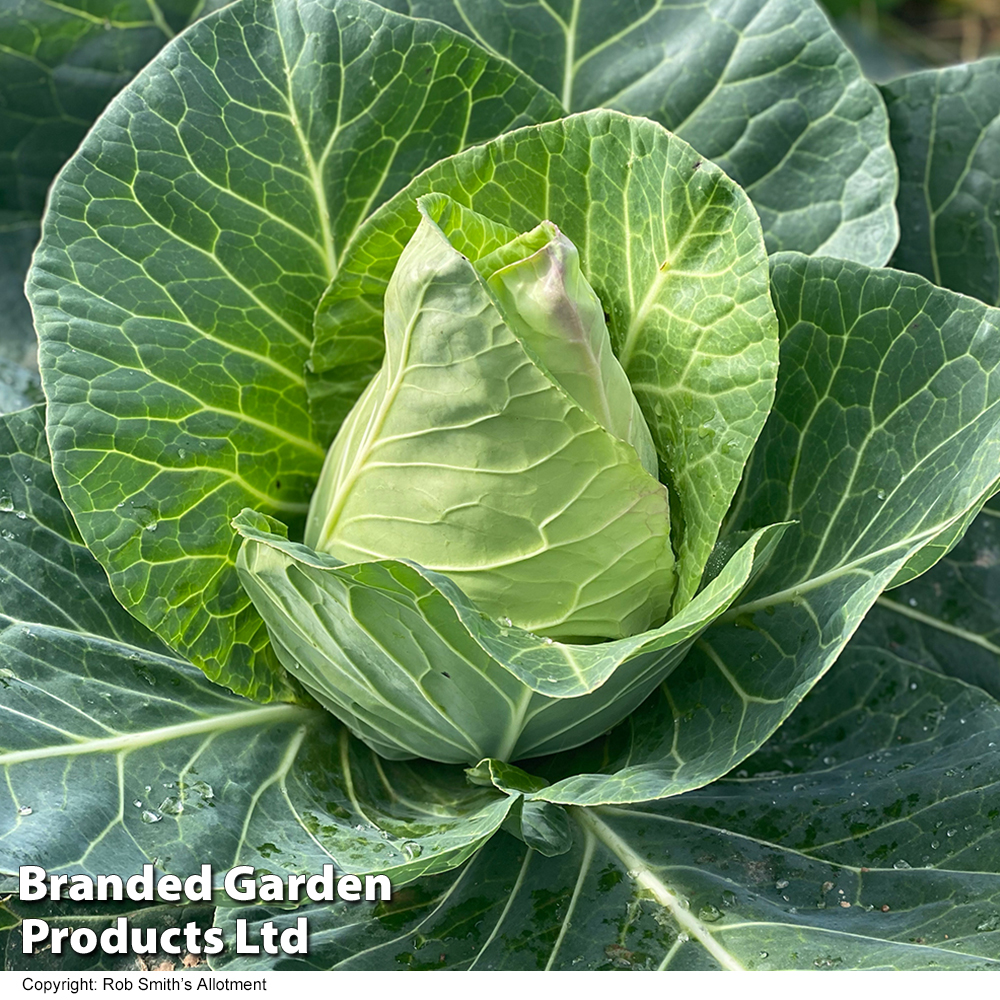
(204, 789)
(172, 806)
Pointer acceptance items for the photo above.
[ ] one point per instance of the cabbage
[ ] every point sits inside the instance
(500, 445)
(488, 508)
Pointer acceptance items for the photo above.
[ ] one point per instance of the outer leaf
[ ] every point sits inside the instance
(765, 88)
(49, 577)
(184, 250)
(415, 669)
(885, 432)
(115, 753)
(938, 547)
(949, 620)
(830, 850)
(157, 766)
(60, 64)
(674, 254)
(899, 758)
(96, 916)
(946, 136)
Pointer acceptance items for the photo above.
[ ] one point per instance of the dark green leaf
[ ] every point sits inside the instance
(949, 620)
(865, 836)
(60, 64)
(98, 917)
(49, 577)
(885, 432)
(120, 758)
(765, 88)
(945, 128)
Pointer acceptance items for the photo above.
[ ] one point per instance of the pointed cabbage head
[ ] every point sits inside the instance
(501, 444)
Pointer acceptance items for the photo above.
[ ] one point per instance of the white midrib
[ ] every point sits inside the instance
(650, 299)
(516, 724)
(315, 173)
(792, 594)
(127, 742)
(371, 437)
(570, 66)
(641, 874)
(938, 623)
(639, 319)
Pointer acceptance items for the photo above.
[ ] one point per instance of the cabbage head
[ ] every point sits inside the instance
(501, 444)
(493, 492)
